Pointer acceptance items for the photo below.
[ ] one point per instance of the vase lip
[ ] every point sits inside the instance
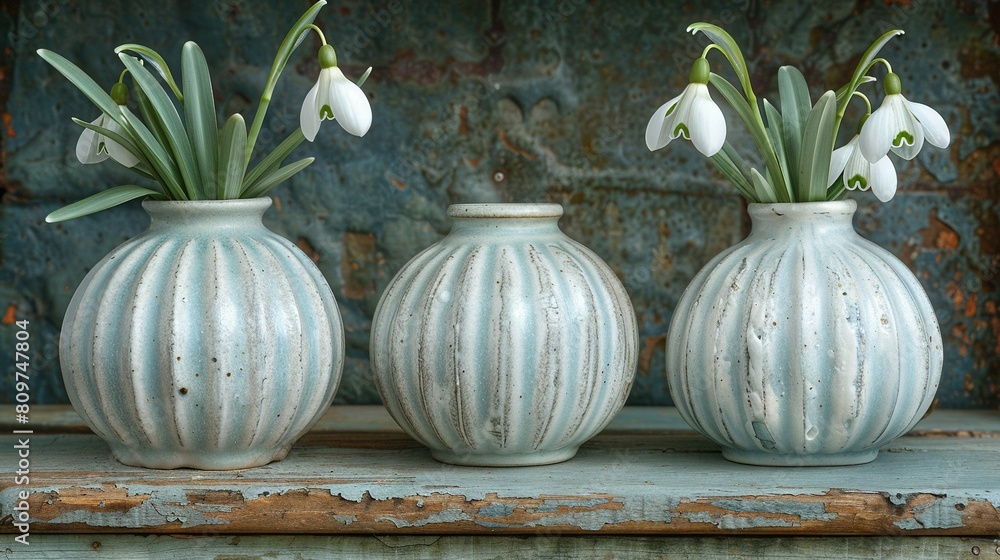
(506, 210)
(235, 205)
(845, 207)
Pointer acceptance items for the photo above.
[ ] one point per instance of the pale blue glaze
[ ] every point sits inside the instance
(207, 341)
(805, 344)
(506, 343)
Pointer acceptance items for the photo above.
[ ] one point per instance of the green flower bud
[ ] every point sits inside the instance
(700, 71)
(892, 84)
(119, 93)
(327, 56)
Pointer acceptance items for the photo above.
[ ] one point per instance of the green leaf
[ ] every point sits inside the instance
(364, 77)
(232, 164)
(795, 106)
(292, 40)
(199, 115)
(101, 201)
(159, 159)
(843, 89)
(275, 158)
(863, 66)
(836, 190)
(273, 179)
(765, 192)
(730, 164)
(817, 147)
(728, 45)
(775, 132)
(148, 114)
(154, 59)
(173, 127)
(753, 124)
(95, 93)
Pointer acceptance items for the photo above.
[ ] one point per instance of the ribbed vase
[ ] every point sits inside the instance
(207, 341)
(506, 343)
(805, 344)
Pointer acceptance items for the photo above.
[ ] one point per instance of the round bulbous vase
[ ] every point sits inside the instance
(207, 341)
(805, 344)
(506, 343)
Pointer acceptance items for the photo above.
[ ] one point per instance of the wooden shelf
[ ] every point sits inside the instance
(648, 474)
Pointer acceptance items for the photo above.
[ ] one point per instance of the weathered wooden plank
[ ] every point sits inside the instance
(308, 547)
(643, 475)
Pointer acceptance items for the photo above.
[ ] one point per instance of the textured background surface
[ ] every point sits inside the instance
(509, 101)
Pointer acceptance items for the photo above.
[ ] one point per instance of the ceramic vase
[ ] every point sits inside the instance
(207, 341)
(507, 343)
(805, 344)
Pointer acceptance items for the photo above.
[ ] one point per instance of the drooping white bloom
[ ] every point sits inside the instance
(93, 147)
(335, 97)
(692, 114)
(901, 125)
(861, 174)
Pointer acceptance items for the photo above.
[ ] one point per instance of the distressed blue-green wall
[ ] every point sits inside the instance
(510, 101)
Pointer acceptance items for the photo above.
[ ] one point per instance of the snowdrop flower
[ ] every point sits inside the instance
(901, 125)
(334, 97)
(861, 174)
(93, 147)
(692, 114)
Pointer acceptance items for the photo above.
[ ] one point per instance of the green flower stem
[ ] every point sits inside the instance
(121, 77)
(295, 36)
(318, 31)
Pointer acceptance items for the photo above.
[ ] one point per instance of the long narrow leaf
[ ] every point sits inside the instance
(291, 41)
(173, 127)
(765, 191)
(95, 93)
(154, 59)
(743, 110)
(101, 201)
(817, 147)
(725, 164)
(775, 134)
(275, 158)
(199, 115)
(148, 114)
(159, 158)
(268, 182)
(863, 65)
(725, 41)
(795, 106)
(232, 164)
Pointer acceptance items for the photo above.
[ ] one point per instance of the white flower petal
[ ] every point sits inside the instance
(935, 129)
(857, 172)
(349, 103)
(909, 146)
(707, 124)
(655, 137)
(883, 179)
(309, 115)
(876, 134)
(891, 126)
(116, 150)
(89, 144)
(839, 160)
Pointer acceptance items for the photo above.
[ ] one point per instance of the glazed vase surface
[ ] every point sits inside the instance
(805, 344)
(207, 341)
(506, 343)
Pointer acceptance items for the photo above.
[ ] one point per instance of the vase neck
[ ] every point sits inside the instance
(815, 217)
(243, 214)
(510, 219)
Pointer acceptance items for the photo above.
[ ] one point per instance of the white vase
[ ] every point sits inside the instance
(506, 343)
(805, 344)
(207, 341)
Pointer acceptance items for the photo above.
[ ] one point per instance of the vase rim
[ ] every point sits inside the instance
(846, 206)
(505, 210)
(233, 204)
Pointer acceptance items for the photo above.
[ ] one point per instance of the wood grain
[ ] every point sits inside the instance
(357, 473)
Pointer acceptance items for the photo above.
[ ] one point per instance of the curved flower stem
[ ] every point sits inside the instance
(865, 98)
(322, 37)
(292, 40)
(121, 77)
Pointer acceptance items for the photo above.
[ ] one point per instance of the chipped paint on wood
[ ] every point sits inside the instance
(644, 474)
